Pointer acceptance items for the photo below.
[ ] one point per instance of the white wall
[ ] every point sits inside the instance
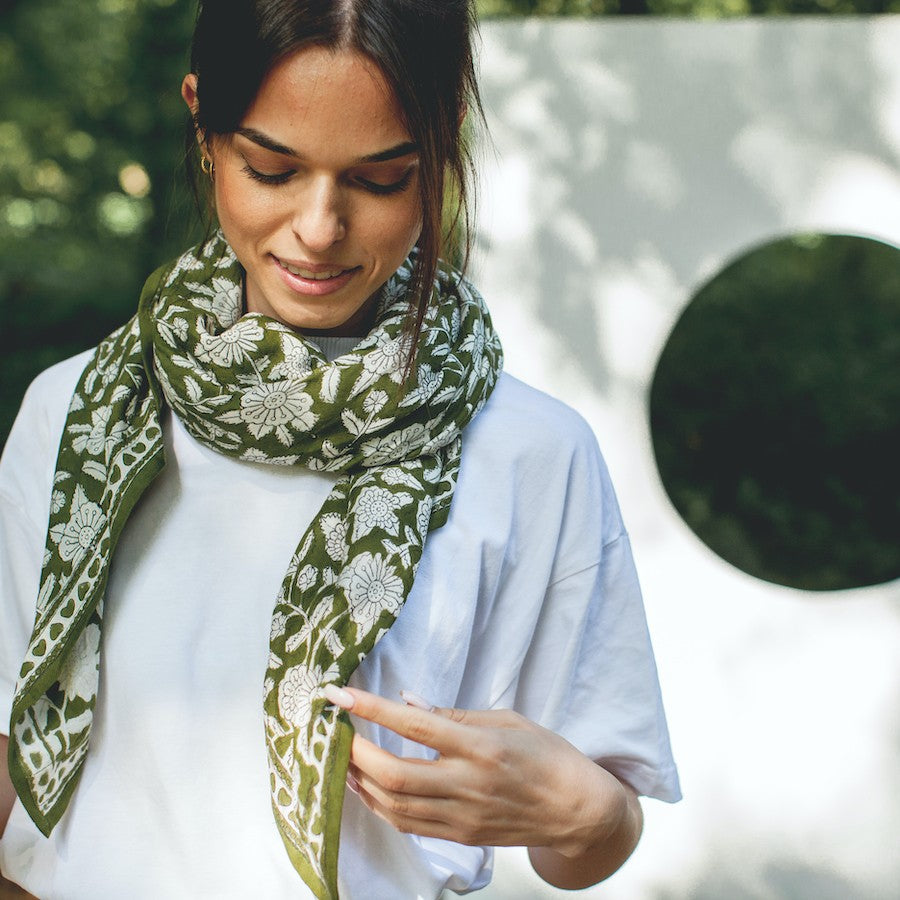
(633, 159)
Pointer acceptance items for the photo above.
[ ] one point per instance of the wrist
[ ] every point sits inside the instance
(603, 812)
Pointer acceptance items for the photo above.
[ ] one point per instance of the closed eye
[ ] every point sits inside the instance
(393, 188)
(277, 178)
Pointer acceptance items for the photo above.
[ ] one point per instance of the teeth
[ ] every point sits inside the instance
(313, 276)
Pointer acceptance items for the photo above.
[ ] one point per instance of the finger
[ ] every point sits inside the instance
(393, 773)
(483, 718)
(460, 833)
(423, 727)
(489, 718)
(399, 803)
(405, 823)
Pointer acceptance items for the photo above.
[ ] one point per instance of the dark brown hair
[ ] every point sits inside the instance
(422, 47)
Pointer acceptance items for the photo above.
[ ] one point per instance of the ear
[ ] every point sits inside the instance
(189, 94)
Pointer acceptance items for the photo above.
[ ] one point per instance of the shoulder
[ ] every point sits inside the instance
(535, 459)
(47, 399)
(529, 422)
(29, 455)
(55, 386)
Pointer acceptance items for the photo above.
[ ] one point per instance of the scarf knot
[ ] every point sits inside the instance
(253, 389)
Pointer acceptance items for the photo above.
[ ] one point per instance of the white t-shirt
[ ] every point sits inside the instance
(526, 598)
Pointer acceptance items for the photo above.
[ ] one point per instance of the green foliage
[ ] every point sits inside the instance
(89, 138)
(775, 412)
(697, 8)
(91, 122)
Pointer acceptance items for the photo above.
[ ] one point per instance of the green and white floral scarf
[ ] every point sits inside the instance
(251, 388)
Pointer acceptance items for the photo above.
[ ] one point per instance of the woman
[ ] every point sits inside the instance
(308, 391)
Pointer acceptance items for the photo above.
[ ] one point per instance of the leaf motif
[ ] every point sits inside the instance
(193, 389)
(329, 451)
(120, 393)
(330, 384)
(183, 362)
(95, 469)
(378, 424)
(352, 422)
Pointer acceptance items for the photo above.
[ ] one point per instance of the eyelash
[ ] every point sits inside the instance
(370, 186)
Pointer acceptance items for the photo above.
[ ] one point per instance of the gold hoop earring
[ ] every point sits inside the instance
(208, 167)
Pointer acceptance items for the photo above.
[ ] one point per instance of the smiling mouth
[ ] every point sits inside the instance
(310, 275)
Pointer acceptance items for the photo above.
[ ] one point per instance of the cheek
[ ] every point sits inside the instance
(243, 212)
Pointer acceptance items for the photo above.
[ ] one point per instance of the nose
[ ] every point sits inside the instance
(319, 220)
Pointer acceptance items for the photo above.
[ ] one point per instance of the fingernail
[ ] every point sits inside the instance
(412, 699)
(338, 696)
(352, 783)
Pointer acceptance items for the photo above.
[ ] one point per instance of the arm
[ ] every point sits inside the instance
(605, 854)
(7, 793)
(500, 780)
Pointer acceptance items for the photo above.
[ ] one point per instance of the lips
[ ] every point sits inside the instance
(314, 278)
(318, 272)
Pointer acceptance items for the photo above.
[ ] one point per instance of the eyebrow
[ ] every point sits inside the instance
(267, 143)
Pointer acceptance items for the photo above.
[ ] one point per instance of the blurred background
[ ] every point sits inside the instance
(688, 231)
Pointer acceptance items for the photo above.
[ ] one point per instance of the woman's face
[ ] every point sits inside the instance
(317, 191)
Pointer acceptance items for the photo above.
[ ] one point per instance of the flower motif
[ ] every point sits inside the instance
(231, 346)
(279, 624)
(372, 587)
(307, 577)
(78, 675)
(79, 533)
(474, 343)
(374, 402)
(296, 692)
(386, 357)
(297, 363)
(94, 438)
(57, 501)
(335, 530)
(428, 381)
(268, 406)
(423, 515)
(394, 446)
(376, 508)
(223, 297)
(254, 454)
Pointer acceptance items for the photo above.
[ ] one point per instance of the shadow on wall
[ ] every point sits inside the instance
(629, 179)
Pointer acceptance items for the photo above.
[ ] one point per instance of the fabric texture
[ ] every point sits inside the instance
(527, 599)
(250, 388)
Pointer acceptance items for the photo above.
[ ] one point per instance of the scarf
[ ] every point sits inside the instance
(251, 388)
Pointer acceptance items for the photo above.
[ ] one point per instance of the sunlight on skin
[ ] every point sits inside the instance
(499, 780)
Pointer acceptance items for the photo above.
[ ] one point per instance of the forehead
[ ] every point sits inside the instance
(328, 103)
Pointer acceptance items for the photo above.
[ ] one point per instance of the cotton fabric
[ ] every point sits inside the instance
(249, 387)
(526, 598)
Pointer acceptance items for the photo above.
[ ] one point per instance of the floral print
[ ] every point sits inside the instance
(78, 534)
(270, 407)
(376, 507)
(372, 588)
(230, 346)
(250, 388)
(296, 691)
(77, 677)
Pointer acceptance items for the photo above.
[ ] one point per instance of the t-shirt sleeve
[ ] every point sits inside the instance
(26, 479)
(590, 674)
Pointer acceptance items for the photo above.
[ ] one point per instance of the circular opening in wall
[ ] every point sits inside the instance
(775, 412)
